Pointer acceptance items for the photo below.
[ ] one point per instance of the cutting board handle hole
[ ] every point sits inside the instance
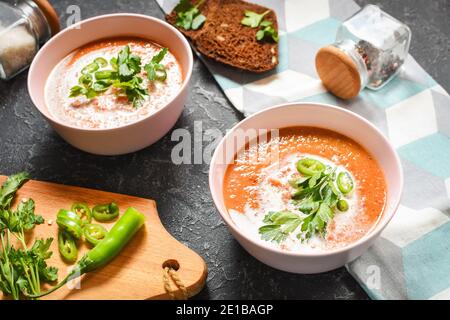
(171, 264)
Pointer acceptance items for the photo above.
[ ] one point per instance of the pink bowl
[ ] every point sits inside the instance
(321, 116)
(131, 137)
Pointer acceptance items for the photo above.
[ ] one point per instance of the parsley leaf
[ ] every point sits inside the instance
(268, 32)
(10, 187)
(253, 19)
(279, 225)
(189, 16)
(317, 222)
(155, 70)
(133, 90)
(129, 65)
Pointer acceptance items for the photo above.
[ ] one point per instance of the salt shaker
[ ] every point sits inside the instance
(24, 26)
(369, 51)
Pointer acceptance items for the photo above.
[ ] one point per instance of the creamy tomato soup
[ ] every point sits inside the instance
(320, 191)
(113, 107)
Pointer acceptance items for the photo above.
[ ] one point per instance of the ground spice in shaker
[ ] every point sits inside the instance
(369, 51)
(24, 26)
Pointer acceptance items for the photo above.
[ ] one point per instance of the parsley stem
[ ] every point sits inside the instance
(6, 247)
(199, 3)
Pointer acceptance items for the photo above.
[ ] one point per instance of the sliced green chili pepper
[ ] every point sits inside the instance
(116, 239)
(160, 73)
(101, 85)
(113, 63)
(67, 246)
(105, 74)
(85, 80)
(101, 62)
(342, 205)
(345, 183)
(94, 233)
(90, 68)
(83, 211)
(70, 222)
(310, 167)
(105, 212)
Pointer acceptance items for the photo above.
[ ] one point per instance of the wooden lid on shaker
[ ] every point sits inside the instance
(338, 72)
(50, 14)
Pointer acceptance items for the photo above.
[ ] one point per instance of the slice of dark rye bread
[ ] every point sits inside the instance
(224, 39)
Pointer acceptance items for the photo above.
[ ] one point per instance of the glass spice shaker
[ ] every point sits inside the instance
(369, 51)
(24, 26)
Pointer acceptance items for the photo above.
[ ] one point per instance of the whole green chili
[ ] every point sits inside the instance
(116, 239)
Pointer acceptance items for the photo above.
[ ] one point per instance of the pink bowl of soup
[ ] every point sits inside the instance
(112, 84)
(306, 188)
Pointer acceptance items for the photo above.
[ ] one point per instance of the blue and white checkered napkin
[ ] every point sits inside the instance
(412, 258)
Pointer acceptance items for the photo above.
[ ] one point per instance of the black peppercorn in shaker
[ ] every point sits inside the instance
(369, 51)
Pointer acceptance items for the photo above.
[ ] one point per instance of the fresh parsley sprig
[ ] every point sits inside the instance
(255, 20)
(267, 32)
(22, 270)
(279, 225)
(129, 82)
(316, 196)
(128, 64)
(188, 15)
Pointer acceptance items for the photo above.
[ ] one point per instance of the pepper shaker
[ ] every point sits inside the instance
(24, 26)
(369, 51)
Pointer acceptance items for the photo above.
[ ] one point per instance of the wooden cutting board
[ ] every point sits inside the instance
(137, 273)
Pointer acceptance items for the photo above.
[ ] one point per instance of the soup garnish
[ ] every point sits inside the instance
(318, 194)
(123, 74)
(113, 82)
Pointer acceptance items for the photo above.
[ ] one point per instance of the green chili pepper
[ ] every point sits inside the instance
(116, 239)
(310, 167)
(90, 68)
(113, 63)
(342, 205)
(105, 74)
(345, 183)
(101, 62)
(67, 246)
(83, 211)
(105, 212)
(70, 222)
(94, 233)
(86, 80)
(160, 73)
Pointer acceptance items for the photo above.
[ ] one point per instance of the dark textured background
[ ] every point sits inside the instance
(185, 206)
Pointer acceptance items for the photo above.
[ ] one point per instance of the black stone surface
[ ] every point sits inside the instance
(186, 209)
